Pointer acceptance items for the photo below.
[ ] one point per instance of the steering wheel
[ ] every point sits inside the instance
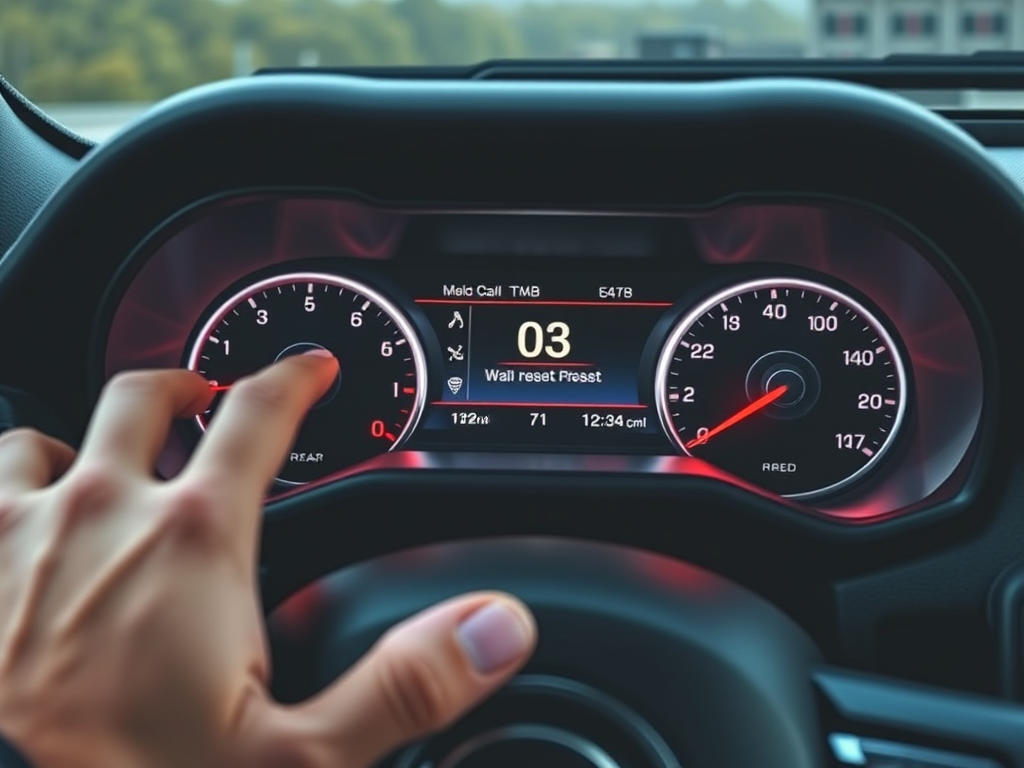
(644, 661)
(722, 676)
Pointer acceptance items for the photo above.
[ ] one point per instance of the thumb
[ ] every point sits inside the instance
(421, 676)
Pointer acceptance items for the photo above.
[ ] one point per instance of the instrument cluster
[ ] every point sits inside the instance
(811, 351)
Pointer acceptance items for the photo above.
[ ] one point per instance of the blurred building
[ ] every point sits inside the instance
(708, 43)
(703, 43)
(849, 28)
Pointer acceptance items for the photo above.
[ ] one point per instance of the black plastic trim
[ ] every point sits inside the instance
(980, 71)
(875, 751)
(1006, 614)
(57, 135)
(643, 742)
(925, 714)
(993, 131)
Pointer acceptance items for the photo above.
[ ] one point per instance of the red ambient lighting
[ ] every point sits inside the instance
(548, 303)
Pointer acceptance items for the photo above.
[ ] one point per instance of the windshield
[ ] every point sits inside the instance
(95, 63)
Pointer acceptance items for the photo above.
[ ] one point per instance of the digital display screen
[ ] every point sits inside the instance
(545, 363)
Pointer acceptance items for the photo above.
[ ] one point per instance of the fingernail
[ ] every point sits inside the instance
(318, 352)
(493, 637)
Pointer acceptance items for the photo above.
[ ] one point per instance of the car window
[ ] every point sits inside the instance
(94, 64)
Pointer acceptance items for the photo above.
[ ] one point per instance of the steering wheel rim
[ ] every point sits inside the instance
(202, 143)
(696, 657)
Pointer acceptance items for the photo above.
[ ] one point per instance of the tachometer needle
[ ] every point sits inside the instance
(214, 387)
(762, 402)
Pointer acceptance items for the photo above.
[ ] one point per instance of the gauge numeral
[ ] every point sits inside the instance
(531, 339)
(803, 394)
(867, 402)
(823, 323)
(864, 358)
(367, 411)
(849, 442)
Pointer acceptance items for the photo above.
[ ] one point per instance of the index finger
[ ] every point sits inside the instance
(249, 437)
(130, 425)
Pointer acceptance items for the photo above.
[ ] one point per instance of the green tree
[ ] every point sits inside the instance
(63, 50)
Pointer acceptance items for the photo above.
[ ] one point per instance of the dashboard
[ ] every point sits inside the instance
(768, 327)
(812, 351)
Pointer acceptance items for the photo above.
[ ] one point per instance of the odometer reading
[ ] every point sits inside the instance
(378, 395)
(786, 383)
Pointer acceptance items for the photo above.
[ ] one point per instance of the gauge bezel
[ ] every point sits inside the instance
(683, 325)
(389, 306)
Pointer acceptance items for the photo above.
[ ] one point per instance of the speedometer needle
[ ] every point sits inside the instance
(762, 402)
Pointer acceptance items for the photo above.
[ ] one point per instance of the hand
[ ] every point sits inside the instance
(131, 634)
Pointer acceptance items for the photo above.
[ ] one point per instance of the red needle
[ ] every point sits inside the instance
(219, 387)
(765, 400)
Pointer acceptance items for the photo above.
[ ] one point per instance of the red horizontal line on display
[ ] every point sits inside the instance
(472, 404)
(549, 303)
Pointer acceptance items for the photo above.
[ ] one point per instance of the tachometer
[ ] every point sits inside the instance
(787, 383)
(379, 393)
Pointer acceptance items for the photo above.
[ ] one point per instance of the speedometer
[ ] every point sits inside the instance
(787, 383)
(379, 393)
